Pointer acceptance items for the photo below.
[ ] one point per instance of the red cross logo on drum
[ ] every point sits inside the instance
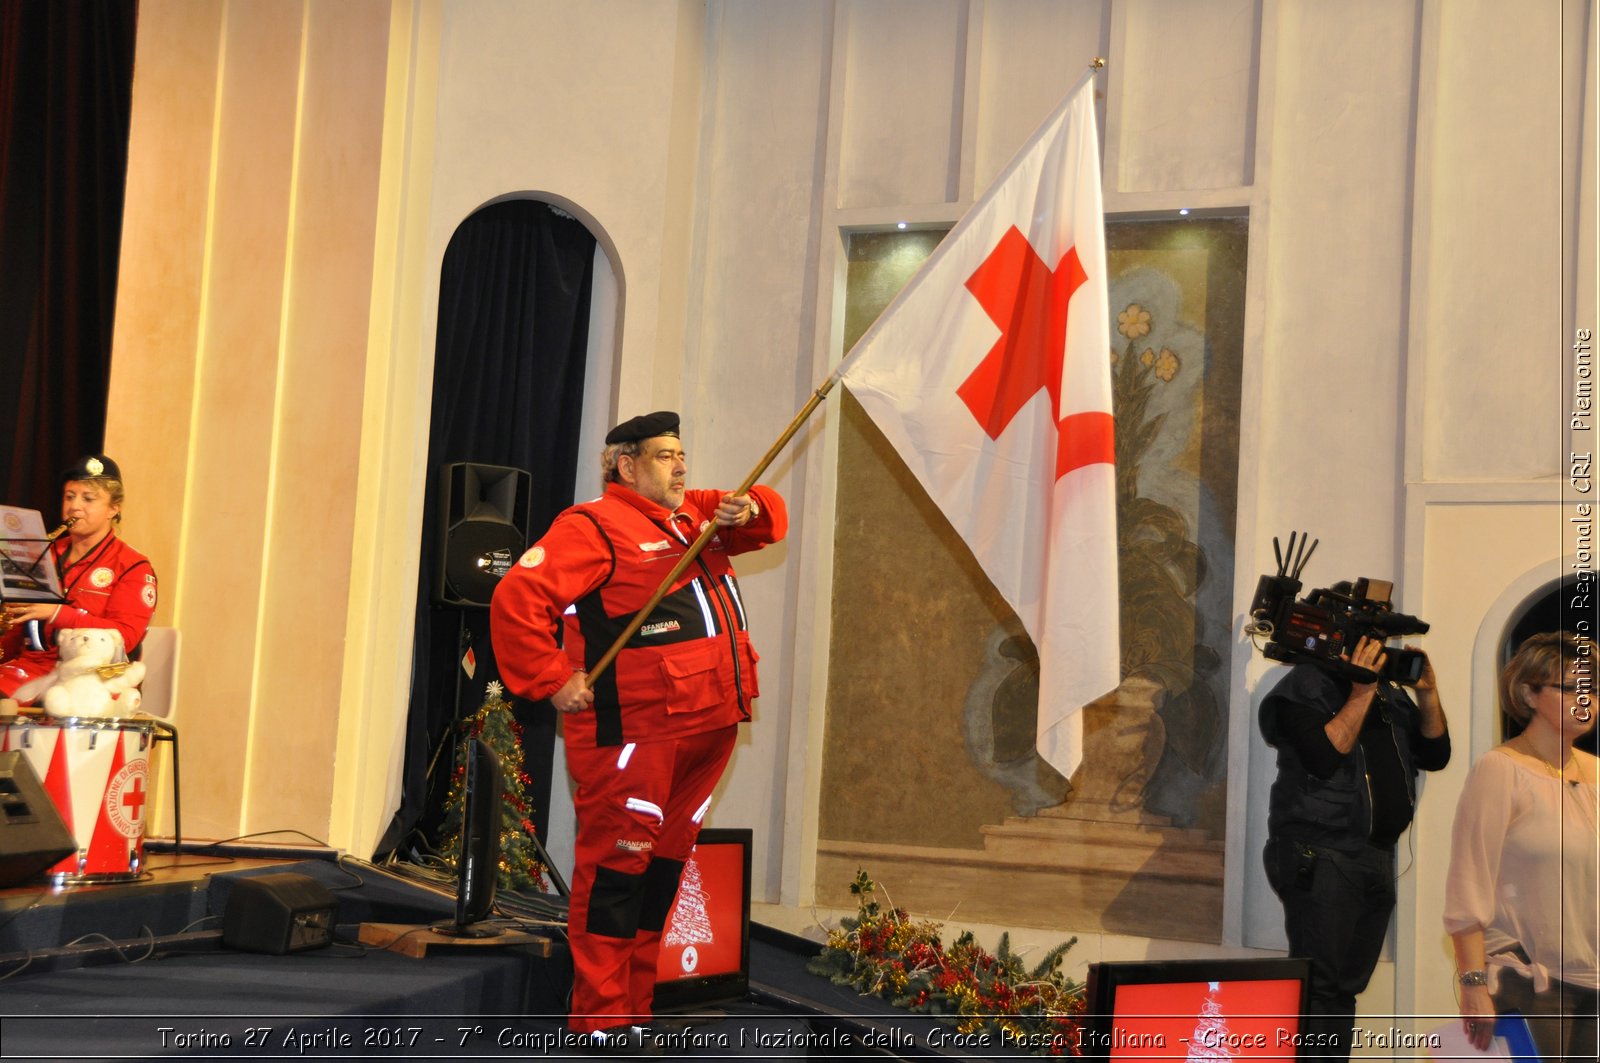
(133, 798)
(125, 798)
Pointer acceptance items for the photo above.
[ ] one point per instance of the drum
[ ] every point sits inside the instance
(97, 773)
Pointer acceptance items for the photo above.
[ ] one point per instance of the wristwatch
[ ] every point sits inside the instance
(1474, 978)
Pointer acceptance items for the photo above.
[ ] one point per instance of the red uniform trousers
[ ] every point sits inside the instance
(639, 808)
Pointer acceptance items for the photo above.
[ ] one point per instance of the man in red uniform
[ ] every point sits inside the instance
(648, 741)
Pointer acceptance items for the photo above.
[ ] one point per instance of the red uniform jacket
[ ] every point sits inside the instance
(113, 587)
(689, 668)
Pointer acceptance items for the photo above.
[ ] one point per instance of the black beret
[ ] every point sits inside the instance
(91, 466)
(645, 426)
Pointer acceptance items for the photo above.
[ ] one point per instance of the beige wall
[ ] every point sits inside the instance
(246, 279)
(1411, 169)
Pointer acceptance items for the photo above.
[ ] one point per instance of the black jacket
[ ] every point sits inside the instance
(1315, 806)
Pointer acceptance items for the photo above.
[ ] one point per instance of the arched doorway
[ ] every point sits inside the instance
(510, 391)
(1550, 608)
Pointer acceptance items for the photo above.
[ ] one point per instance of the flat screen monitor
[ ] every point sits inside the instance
(478, 860)
(1196, 1009)
(705, 944)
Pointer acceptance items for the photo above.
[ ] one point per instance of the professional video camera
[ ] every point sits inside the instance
(1326, 625)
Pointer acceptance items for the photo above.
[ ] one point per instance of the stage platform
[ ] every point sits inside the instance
(139, 971)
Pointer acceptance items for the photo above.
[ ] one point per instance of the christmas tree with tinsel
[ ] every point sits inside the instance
(690, 923)
(1210, 1040)
(520, 867)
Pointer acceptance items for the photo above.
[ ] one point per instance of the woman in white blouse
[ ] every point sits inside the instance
(1521, 898)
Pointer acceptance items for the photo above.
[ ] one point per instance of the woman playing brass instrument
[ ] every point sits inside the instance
(106, 582)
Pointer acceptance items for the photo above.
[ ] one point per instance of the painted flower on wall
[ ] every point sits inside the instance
(1164, 366)
(1134, 321)
(1167, 365)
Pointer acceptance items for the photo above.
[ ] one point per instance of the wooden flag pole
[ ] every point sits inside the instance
(710, 529)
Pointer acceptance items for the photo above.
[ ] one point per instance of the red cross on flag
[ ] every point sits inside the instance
(991, 375)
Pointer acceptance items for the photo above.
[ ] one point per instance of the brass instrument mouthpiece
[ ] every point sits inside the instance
(59, 532)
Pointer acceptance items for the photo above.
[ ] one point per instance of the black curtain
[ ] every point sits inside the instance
(66, 77)
(507, 390)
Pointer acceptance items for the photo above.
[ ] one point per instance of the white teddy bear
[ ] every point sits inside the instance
(93, 676)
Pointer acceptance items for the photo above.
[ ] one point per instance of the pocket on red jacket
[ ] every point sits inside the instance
(693, 679)
(747, 666)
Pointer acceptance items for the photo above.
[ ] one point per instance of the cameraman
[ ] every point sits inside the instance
(1348, 757)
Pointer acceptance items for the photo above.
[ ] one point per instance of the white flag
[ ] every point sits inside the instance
(990, 373)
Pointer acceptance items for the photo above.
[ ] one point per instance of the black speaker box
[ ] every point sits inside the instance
(33, 835)
(278, 913)
(483, 529)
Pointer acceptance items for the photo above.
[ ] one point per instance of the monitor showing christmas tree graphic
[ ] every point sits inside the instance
(705, 945)
(1195, 1010)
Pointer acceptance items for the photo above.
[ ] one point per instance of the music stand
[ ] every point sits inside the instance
(24, 546)
(24, 575)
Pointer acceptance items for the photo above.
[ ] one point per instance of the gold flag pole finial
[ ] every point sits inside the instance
(1097, 63)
